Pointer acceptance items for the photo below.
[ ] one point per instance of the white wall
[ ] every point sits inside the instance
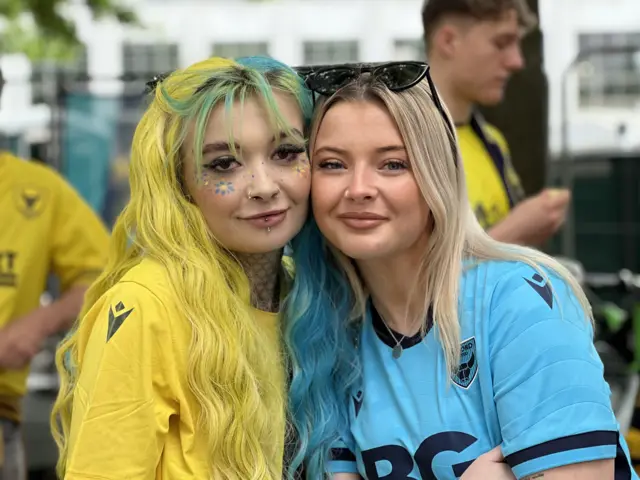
(195, 25)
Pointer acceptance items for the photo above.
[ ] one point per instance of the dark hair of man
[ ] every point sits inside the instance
(434, 11)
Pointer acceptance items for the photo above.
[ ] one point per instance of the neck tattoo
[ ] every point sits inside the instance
(263, 271)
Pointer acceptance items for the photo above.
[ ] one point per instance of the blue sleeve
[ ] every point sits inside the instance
(343, 458)
(552, 400)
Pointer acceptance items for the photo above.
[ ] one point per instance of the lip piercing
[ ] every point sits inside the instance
(268, 229)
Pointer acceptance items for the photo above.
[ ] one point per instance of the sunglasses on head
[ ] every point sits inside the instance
(151, 85)
(326, 80)
(396, 76)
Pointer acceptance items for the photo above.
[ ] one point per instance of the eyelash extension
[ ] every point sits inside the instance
(214, 164)
(289, 150)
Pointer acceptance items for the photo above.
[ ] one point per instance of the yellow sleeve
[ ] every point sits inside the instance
(79, 239)
(124, 396)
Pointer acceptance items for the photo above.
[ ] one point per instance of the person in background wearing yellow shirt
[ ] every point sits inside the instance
(473, 48)
(176, 369)
(46, 228)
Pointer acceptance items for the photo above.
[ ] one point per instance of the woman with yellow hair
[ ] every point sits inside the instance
(175, 369)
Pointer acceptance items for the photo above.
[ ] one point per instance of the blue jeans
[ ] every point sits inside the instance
(13, 465)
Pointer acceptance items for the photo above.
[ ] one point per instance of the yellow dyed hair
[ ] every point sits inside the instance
(239, 404)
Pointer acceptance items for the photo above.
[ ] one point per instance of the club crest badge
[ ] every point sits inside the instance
(30, 201)
(466, 372)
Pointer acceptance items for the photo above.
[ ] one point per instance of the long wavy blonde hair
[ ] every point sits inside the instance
(456, 238)
(239, 403)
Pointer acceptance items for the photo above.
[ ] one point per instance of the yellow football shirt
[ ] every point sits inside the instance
(134, 415)
(46, 228)
(490, 195)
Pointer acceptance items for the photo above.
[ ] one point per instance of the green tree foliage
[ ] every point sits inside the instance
(40, 29)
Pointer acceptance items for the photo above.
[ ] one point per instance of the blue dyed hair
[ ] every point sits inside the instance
(323, 351)
(268, 64)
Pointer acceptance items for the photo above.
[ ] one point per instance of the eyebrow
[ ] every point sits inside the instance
(508, 36)
(294, 131)
(218, 147)
(341, 151)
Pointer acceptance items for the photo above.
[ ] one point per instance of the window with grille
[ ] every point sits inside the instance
(46, 75)
(317, 53)
(235, 50)
(609, 79)
(146, 60)
(409, 50)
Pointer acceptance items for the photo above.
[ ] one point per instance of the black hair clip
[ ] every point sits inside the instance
(151, 85)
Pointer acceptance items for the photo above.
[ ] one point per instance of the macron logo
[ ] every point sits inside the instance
(544, 290)
(116, 320)
(357, 402)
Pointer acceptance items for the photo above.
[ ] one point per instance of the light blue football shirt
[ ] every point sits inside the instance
(529, 379)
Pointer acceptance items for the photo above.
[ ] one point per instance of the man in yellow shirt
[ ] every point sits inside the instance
(473, 48)
(46, 228)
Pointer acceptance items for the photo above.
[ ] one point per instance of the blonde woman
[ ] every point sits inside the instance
(419, 343)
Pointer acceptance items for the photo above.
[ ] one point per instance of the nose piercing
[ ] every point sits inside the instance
(249, 195)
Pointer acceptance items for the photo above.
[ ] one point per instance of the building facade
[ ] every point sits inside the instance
(601, 94)
(593, 47)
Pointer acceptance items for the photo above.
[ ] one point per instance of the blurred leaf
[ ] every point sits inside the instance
(50, 35)
(27, 40)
